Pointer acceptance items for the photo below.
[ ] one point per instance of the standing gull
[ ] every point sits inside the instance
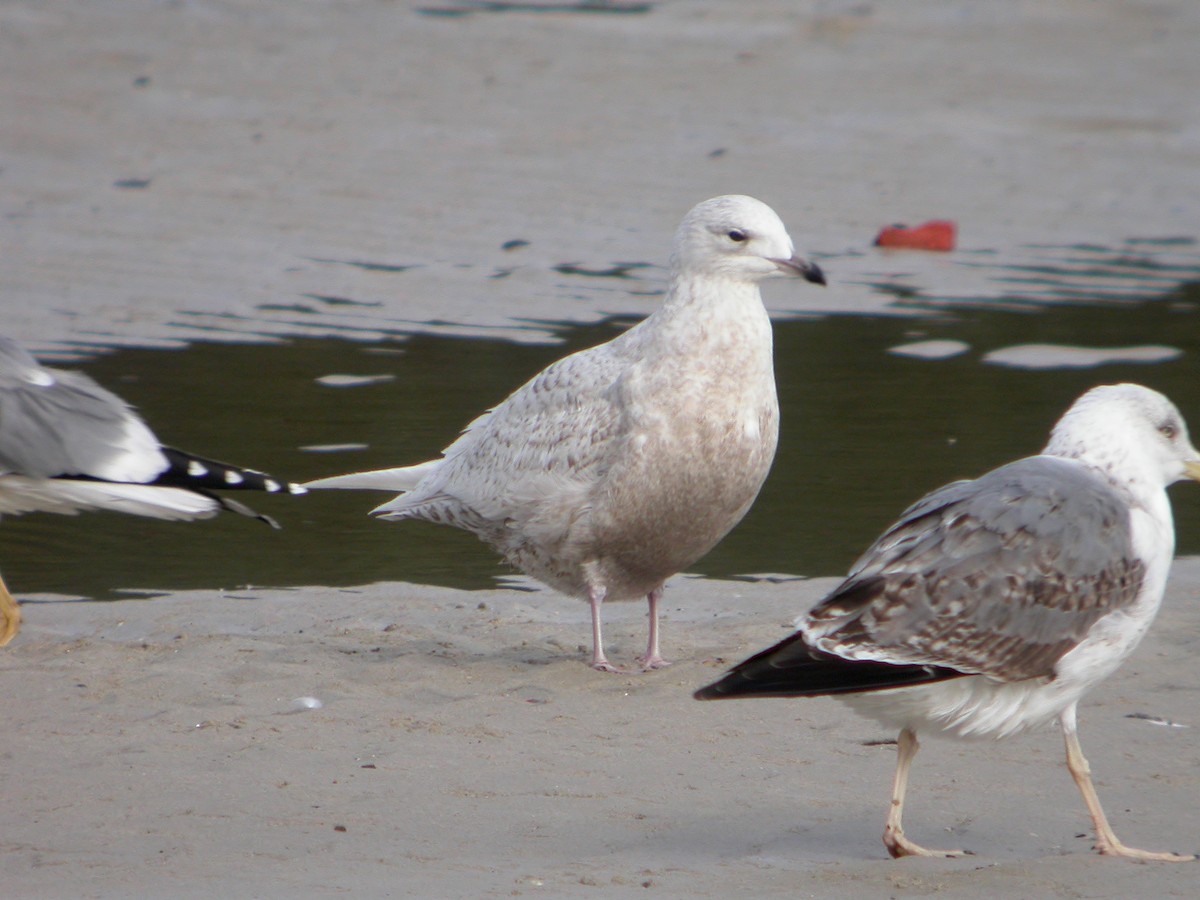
(67, 444)
(618, 466)
(992, 605)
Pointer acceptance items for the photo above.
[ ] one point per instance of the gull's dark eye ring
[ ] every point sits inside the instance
(1168, 431)
(737, 236)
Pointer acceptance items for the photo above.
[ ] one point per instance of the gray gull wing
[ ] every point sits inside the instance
(542, 449)
(67, 444)
(999, 576)
(55, 422)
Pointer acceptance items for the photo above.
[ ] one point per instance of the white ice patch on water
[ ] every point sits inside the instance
(931, 349)
(1063, 356)
(353, 380)
(332, 448)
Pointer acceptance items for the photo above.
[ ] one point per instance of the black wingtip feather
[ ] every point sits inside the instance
(243, 510)
(196, 472)
(207, 476)
(792, 668)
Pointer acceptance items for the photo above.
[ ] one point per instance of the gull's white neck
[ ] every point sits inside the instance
(1135, 475)
(711, 294)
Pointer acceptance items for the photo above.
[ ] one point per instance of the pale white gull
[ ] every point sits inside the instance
(619, 466)
(992, 605)
(67, 445)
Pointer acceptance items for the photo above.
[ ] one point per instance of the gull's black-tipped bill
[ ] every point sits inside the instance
(796, 265)
(814, 274)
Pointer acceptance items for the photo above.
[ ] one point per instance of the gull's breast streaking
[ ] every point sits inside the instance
(618, 466)
(67, 444)
(992, 605)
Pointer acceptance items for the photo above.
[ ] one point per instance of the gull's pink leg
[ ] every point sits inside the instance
(653, 659)
(599, 660)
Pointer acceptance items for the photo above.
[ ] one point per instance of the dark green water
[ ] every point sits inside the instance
(865, 433)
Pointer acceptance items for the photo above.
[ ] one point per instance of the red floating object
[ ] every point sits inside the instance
(938, 234)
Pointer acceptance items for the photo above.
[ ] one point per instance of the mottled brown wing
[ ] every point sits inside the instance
(999, 576)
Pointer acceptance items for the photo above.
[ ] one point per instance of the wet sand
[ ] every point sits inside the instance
(250, 171)
(463, 748)
(254, 170)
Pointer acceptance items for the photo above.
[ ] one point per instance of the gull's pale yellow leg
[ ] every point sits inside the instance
(897, 844)
(10, 615)
(1106, 840)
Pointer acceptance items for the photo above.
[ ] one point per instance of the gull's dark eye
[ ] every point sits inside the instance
(1168, 431)
(737, 235)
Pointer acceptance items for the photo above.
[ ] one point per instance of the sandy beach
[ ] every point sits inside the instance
(463, 748)
(250, 172)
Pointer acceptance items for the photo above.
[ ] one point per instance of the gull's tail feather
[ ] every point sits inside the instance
(401, 479)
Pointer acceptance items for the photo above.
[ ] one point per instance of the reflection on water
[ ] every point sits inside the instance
(865, 432)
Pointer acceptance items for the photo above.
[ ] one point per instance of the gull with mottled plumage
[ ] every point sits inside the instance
(993, 605)
(620, 465)
(67, 445)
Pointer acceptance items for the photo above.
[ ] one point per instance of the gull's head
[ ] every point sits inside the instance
(737, 237)
(1129, 431)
